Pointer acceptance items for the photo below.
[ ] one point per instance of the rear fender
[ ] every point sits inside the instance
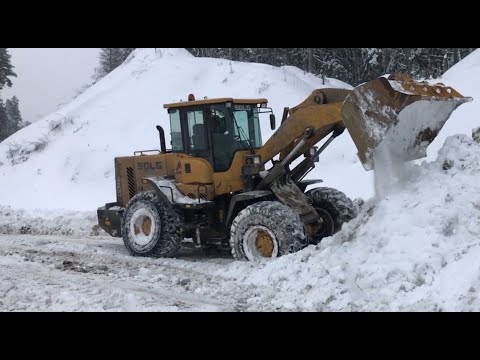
(163, 187)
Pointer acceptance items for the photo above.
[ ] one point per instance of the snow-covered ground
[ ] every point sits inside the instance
(414, 249)
(53, 273)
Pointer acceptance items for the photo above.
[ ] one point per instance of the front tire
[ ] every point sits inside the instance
(267, 229)
(151, 227)
(335, 209)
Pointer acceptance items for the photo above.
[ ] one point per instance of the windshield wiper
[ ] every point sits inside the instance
(240, 132)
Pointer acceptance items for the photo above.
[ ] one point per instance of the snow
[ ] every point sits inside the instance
(48, 222)
(93, 274)
(415, 248)
(398, 86)
(137, 220)
(461, 77)
(398, 146)
(416, 118)
(168, 188)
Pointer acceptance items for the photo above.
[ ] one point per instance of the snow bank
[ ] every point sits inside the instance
(44, 222)
(417, 249)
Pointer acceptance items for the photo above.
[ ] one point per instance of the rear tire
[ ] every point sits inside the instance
(267, 229)
(335, 209)
(150, 227)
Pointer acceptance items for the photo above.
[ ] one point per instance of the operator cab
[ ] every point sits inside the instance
(215, 129)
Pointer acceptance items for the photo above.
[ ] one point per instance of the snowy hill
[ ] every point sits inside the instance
(66, 159)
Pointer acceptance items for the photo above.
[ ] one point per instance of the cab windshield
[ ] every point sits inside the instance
(246, 125)
(216, 132)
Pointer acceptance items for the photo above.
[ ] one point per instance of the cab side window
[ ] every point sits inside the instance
(197, 131)
(176, 131)
(222, 138)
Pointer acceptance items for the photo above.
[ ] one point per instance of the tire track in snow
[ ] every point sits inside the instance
(44, 273)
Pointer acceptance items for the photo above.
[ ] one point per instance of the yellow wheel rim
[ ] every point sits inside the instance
(264, 243)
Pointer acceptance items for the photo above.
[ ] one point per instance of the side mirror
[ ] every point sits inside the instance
(272, 122)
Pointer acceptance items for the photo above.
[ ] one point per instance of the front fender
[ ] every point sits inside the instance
(304, 183)
(240, 201)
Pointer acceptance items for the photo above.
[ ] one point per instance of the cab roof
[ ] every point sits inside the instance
(216, 101)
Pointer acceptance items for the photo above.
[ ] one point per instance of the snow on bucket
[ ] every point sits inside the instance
(397, 115)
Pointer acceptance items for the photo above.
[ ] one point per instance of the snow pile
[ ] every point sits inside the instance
(66, 160)
(69, 223)
(462, 77)
(417, 249)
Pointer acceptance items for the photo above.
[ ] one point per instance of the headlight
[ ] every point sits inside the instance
(253, 160)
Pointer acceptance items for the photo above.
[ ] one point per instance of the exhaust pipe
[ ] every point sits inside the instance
(161, 133)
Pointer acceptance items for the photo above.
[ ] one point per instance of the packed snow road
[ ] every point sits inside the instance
(55, 273)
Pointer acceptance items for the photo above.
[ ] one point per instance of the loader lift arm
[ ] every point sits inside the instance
(396, 114)
(371, 112)
(320, 112)
(305, 125)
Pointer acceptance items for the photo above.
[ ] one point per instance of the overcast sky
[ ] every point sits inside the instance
(47, 77)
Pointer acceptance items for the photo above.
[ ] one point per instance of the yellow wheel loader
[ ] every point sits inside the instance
(218, 184)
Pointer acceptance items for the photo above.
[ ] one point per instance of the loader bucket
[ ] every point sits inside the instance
(397, 113)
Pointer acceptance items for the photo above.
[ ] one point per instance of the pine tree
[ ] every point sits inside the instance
(126, 52)
(110, 59)
(25, 124)
(14, 118)
(352, 65)
(6, 69)
(3, 121)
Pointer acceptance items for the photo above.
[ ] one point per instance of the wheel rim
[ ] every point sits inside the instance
(142, 226)
(259, 242)
(328, 225)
